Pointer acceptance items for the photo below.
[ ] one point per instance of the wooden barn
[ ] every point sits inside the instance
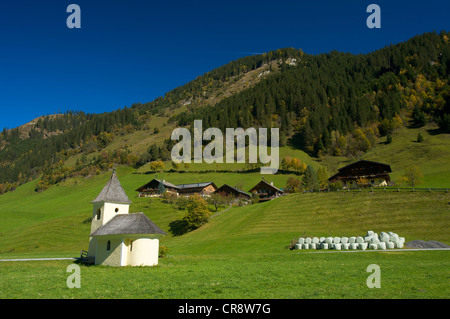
(206, 188)
(366, 172)
(151, 188)
(266, 191)
(227, 190)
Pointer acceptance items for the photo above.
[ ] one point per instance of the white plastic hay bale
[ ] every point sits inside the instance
(373, 246)
(324, 245)
(301, 241)
(385, 238)
(390, 233)
(336, 240)
(315, 240)
(398, 244)
(305, 246)
(393, 238)
(390, 245)
(382, 234)
(312, 246)
(354, 246)
(298, 246)
(374, 241)
(345, 246)
(329, 240)
(308, 240)
(369, 233)
(362, 246)
(402, 239)
(344, 240)
(359, 240)
(338, 246)
(375, 235)
(382, 245)
(352, 240)
(321, 239)
(367, 239)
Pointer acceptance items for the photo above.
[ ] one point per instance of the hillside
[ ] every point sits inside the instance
(331, 109)
(57, 220)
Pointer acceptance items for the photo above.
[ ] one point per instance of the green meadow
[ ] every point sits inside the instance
(242, 252)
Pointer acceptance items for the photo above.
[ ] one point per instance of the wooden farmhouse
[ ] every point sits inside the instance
(367, 172)
(151, 188)
(266, 191)
(117, 237)
(227, 190)
(206, 188)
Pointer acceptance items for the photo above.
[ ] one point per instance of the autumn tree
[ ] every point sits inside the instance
(293, 185)
(322, 176)
(412, 176)
(197, 213)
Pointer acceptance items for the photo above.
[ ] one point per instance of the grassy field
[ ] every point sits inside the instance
(286, 274)
(243, 252)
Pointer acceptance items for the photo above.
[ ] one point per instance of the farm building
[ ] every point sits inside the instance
(118, 238)
(363, 172)
(227, 190)
(151, 188)
(266, 191)
(206, 188)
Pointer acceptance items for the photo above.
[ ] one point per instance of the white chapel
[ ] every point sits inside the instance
(117, 237)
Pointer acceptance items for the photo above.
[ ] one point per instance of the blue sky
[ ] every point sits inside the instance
(134, 51)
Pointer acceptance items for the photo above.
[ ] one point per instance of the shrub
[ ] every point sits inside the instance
(198, 213)
(420, 138)
(163, 251)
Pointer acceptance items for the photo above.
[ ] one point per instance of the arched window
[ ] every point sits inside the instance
(99, 213)
(108, 245)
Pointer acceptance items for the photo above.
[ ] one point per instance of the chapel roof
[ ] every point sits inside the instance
(113, 192)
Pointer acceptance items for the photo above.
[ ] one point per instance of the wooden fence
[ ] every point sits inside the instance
(382, 189)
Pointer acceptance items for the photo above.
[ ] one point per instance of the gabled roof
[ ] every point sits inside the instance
(266, 184)
(385, 166)
(367, 166)
(113, 192)
(125, 224)
(233, 188)
(196, 185)
(166, 184)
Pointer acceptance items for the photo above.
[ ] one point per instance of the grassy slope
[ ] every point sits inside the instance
(31, 221)
(432, 155)
(242, 252)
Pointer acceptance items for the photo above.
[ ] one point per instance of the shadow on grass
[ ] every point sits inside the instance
(178, 227)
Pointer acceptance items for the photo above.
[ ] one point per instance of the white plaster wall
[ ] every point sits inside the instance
(111, 257)
(144, 253)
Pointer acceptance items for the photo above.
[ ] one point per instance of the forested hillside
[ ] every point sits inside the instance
(335, 104)
(330, 96)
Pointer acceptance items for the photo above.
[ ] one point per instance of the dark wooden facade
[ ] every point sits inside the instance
(266, 191)
(227, 190)
(206, 188)
(151, 188)
(376, 174)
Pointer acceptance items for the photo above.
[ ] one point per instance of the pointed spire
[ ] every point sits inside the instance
(113, 192)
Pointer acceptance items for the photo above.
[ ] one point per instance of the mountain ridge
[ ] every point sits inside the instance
(333, 103)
